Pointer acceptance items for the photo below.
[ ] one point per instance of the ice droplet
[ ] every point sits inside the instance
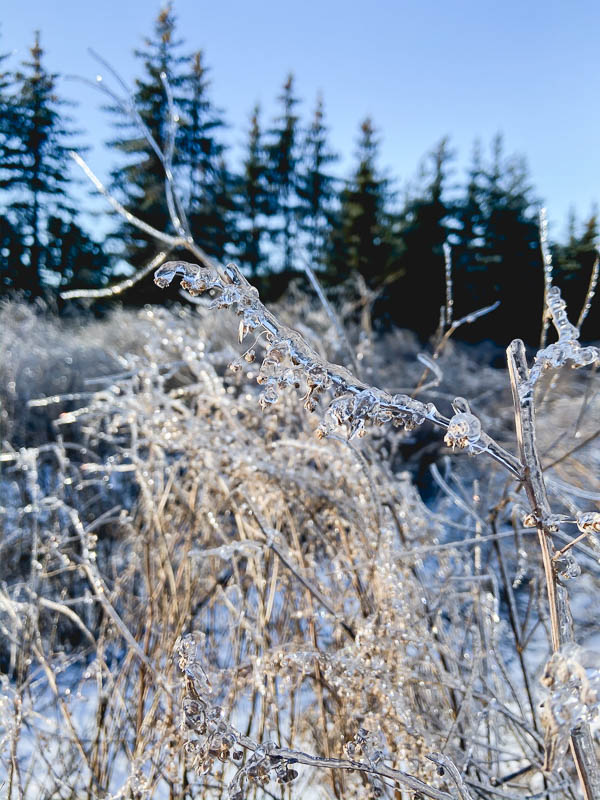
(464, 429)
(567, 567)
(589, 522)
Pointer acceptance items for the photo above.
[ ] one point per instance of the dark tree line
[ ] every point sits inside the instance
(281, 207)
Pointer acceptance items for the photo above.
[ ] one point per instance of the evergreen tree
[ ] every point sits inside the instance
(573, 264)
(140, 183)
(283, 173)
(11, 243)
(511, 248)
(316, 187)
(6, 109)
(498, 248)
(423, 230)
(36, 170)
(220, 231)
(254, 201)
(361, 235)
(72, 254)
(12, 251)
(467, 239)
(211, 205)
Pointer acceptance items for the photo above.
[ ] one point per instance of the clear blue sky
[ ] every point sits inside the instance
(467, 68)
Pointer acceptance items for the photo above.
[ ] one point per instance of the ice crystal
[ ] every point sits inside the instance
(464, 429)
(572, 678)
(567, 349)
(567, 567)
(289, 361)
(589, 522)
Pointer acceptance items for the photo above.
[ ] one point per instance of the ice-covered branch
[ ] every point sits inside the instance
(567, 349)
(210, 737)
(116, 288)
(290, 361)
(558, 597)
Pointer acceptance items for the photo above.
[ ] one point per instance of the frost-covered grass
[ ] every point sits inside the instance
(197, 594)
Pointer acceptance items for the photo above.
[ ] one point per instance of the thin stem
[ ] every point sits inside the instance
(561, 622)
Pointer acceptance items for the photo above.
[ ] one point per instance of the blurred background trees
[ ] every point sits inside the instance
(41, 238)
(276, 206)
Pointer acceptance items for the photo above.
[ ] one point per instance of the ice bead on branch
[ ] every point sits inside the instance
(210, 737)
(558, 312)
(289, 360)
(589, 522)
(572, 677)
(464, 429)
(567, 349)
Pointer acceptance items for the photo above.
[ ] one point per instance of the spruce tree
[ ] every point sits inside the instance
(210, 185)
(316, 187)
(283, 174)
(220, 230)
(36, 172)
(11, 244)
(511, 250)
(467, 240)
(423, 230)
(140, 183)
(75, 256)
(573, 264)
(12, 252)
(254, 200)
(6, 109)
(361, 235)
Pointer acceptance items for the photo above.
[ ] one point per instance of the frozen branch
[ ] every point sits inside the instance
(290, 361)
(558, 598)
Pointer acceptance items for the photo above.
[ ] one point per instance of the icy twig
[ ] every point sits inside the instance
(547, 267)
(445, 764)
(466, 320)
(589, 295)
(289, 360)
(341, 333)
(567, 349)
(174, 204)
(210, 737)
(558, 597)
(116, 288)
(449, 288)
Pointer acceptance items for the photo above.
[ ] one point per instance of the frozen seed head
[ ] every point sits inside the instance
(464, 431)
(530, 521)
(589, 522)
(567, 567)
(290, 361)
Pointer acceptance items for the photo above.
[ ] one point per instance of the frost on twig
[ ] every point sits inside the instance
(290, 361)
(209, 737)
(116, 288)
(591, 291)
(572, 678)
(567, 349)
(464, 430)
(449, 309)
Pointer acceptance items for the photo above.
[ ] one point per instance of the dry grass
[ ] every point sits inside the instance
(324, 597)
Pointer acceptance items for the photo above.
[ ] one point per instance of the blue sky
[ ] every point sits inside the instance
(529, 69)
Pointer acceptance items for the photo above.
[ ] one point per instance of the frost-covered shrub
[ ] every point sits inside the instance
(208, 590)
(341, 621)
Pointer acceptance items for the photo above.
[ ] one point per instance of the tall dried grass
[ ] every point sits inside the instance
(327, 598)
(200, 599)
